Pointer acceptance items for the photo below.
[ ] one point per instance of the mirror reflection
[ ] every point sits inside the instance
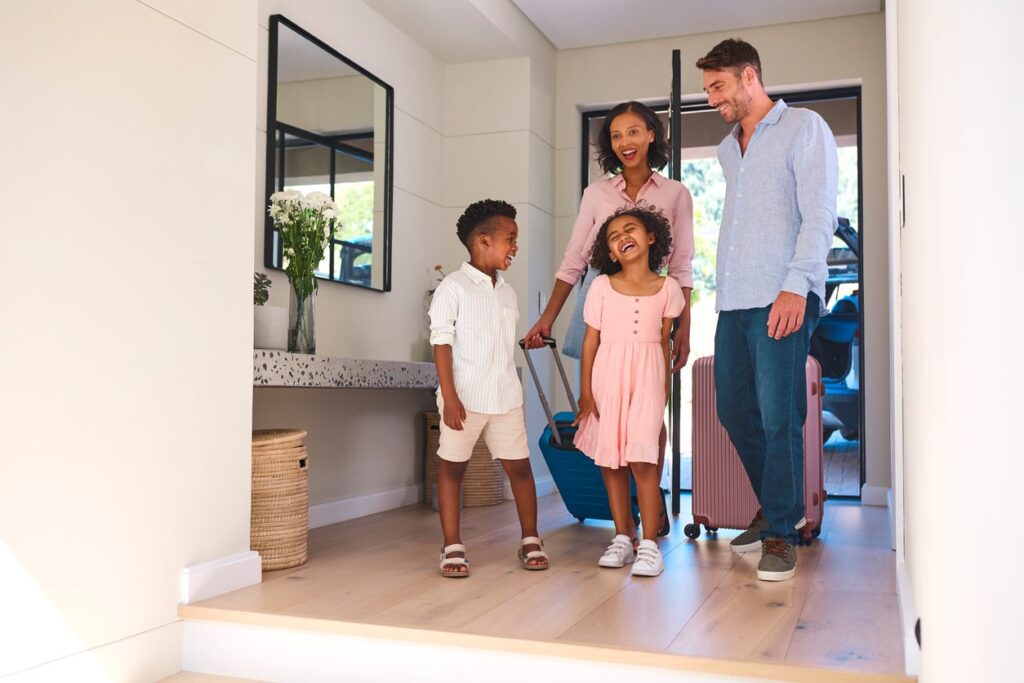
(329, 130)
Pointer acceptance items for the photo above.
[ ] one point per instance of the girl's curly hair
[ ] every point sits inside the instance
(654, 223)
(657, 152)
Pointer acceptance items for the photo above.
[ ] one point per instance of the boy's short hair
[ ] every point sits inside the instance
(478, 217)
(734, 54)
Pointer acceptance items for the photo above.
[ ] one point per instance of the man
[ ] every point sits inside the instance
(780, 166)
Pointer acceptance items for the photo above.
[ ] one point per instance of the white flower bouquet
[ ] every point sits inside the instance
(305, 224)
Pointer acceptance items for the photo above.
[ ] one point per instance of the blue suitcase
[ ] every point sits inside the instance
(577, 478)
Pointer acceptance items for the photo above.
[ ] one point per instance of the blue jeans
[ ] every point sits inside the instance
(761, 387)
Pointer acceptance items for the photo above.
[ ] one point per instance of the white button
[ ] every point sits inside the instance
(741, 169)
(736, 222)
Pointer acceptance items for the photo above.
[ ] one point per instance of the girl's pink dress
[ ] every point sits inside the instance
(629, 373)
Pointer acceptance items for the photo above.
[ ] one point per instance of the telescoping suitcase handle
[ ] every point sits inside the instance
(550, 342)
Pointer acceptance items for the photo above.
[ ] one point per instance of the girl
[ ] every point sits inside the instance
(631, 145)
(625, 370)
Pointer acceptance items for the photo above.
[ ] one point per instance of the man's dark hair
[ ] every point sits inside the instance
(479, 217)
(654, 223)
(657, 153)
(734, 54)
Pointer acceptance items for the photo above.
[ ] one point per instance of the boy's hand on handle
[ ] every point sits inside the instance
(535, 337)
(787, 315)
(587, 407)
(454, 413)
(680, 349)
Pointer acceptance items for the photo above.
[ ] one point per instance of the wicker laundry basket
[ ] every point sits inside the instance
(484, 483)
(280, 497)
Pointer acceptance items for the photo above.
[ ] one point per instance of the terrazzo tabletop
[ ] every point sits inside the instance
(283, 369)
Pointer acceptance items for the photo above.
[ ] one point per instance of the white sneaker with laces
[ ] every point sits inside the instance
(619, 552)
(648, 560)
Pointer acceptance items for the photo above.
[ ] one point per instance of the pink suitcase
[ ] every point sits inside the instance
(722, 496)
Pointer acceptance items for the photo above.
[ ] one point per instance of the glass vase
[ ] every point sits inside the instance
(301, 336)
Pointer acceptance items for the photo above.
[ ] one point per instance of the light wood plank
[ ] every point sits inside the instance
(648, 612)
(380, 572)
(849, 630)
(730, 669)
(394, 581)
(751, 622)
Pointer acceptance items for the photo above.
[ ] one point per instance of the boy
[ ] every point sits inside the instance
(473, 331)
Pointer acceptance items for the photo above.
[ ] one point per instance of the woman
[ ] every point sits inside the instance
(631, 145)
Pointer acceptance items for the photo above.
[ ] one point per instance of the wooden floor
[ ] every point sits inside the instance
(839, 612)
(842, 466)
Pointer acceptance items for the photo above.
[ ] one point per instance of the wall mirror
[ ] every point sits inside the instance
(329, 129)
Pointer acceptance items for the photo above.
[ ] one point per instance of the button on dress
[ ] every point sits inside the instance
(628, 380)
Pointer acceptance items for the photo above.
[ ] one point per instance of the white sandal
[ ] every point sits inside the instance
(454, 562)
(524, 558)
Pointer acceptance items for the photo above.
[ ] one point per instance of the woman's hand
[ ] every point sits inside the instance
(587, 408)
(541, 328)
(680, 348)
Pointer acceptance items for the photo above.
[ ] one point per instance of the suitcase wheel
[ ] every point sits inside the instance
(580, 519)
(692, 531)
(807, 537)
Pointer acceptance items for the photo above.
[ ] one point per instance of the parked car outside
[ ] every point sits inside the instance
(835, 342)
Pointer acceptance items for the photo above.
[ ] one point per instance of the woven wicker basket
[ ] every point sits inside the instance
(484, 483)
(280, 497)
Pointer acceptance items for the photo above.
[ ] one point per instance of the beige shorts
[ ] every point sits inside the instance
(505, 435)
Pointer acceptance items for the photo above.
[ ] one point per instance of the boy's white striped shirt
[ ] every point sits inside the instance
(479, 320)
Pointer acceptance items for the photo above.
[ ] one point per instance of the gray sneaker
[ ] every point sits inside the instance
(750, 540)
(778, 560)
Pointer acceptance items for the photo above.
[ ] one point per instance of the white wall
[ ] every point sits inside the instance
(351, 453)
(127, 323)
(808, 54)
(962, 259)
(462, 133)
(494, 148)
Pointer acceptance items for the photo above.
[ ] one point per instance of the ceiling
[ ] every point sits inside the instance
(454, 31)
(582, 23)
(458, 31)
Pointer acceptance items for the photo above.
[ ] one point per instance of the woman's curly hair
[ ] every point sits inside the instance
(654, 223)
(657, 152)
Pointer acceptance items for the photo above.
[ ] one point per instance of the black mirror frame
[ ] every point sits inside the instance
(271, 155)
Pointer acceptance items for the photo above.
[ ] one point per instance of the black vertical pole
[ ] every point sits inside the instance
(676, 173)
(332, 178)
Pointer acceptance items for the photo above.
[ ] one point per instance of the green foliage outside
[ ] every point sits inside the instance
(355, 209)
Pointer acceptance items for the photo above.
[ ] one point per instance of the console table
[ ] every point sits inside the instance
(283, 369)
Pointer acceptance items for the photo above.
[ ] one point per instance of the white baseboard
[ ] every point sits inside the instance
(874, 495)
(545, 487)
(223, 575)
(343, 509)
(908, 617)
(152, 655)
